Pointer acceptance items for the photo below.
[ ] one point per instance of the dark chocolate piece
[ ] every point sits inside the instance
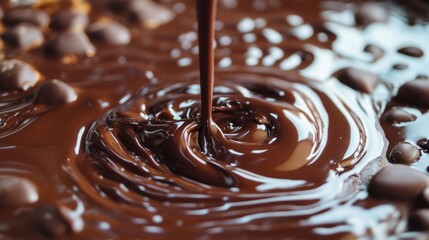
(398, 115)
(16, 191)
(404, 153)
(50, 222)
(414, 93)
(24, 36)
(398, 183)
(26, 15)
(411, 51)
(55, 92)
(69, 19)
(70, 43)
(17, 75)
(358, 79)
(109, 32)
(148, 14)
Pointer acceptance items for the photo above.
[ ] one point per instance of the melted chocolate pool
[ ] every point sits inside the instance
(108, 129)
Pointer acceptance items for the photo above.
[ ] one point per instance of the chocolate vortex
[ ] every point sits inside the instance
(284, 148)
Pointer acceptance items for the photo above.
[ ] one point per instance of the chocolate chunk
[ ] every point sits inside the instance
(398, 183)
(368, 13)
(26, 15)
(358, 79)
(55, 92)
(17, 75)
(24, 36)
(399, 115)
(411, 51)
(404, 153)
(50, 222)
(375, 51)
(419, 220)
(1, 13)
(70, 43)
(415, 93)
(17, 191)
(69, 19)
(148, 14)
(111, 33)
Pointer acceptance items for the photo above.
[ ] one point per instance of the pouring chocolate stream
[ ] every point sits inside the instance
(206, 12)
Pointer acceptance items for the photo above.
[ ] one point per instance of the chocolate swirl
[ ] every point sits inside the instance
(274, 151)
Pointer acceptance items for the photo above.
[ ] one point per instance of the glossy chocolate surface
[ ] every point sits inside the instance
(109, 139)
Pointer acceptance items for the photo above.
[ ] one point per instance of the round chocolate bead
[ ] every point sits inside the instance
(108, 32)
(17, 191)
(358, 79)
(398, 183)
(55, 92)
(415, 93)
(404, 153)
(17, 75)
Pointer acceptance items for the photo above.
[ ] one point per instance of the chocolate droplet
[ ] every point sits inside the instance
(17, 75)
(26, 15)
(24, 36)
(17, 191)
(419, 220)
(422, 77)
(398, 182)
(148, 14)
(374, 50)
(69, 19)
(70, 43)
(111, 33)
(398, 115)
(50, 222)
(368, 13)
(415, 92)
(55, 92)
(358, 79)
(404, 153)
(399, 66)
(411, 51)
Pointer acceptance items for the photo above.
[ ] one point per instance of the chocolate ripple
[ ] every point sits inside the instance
(283, 147)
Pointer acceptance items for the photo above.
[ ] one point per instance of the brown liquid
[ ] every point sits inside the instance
(206, 12)
(282, 155)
